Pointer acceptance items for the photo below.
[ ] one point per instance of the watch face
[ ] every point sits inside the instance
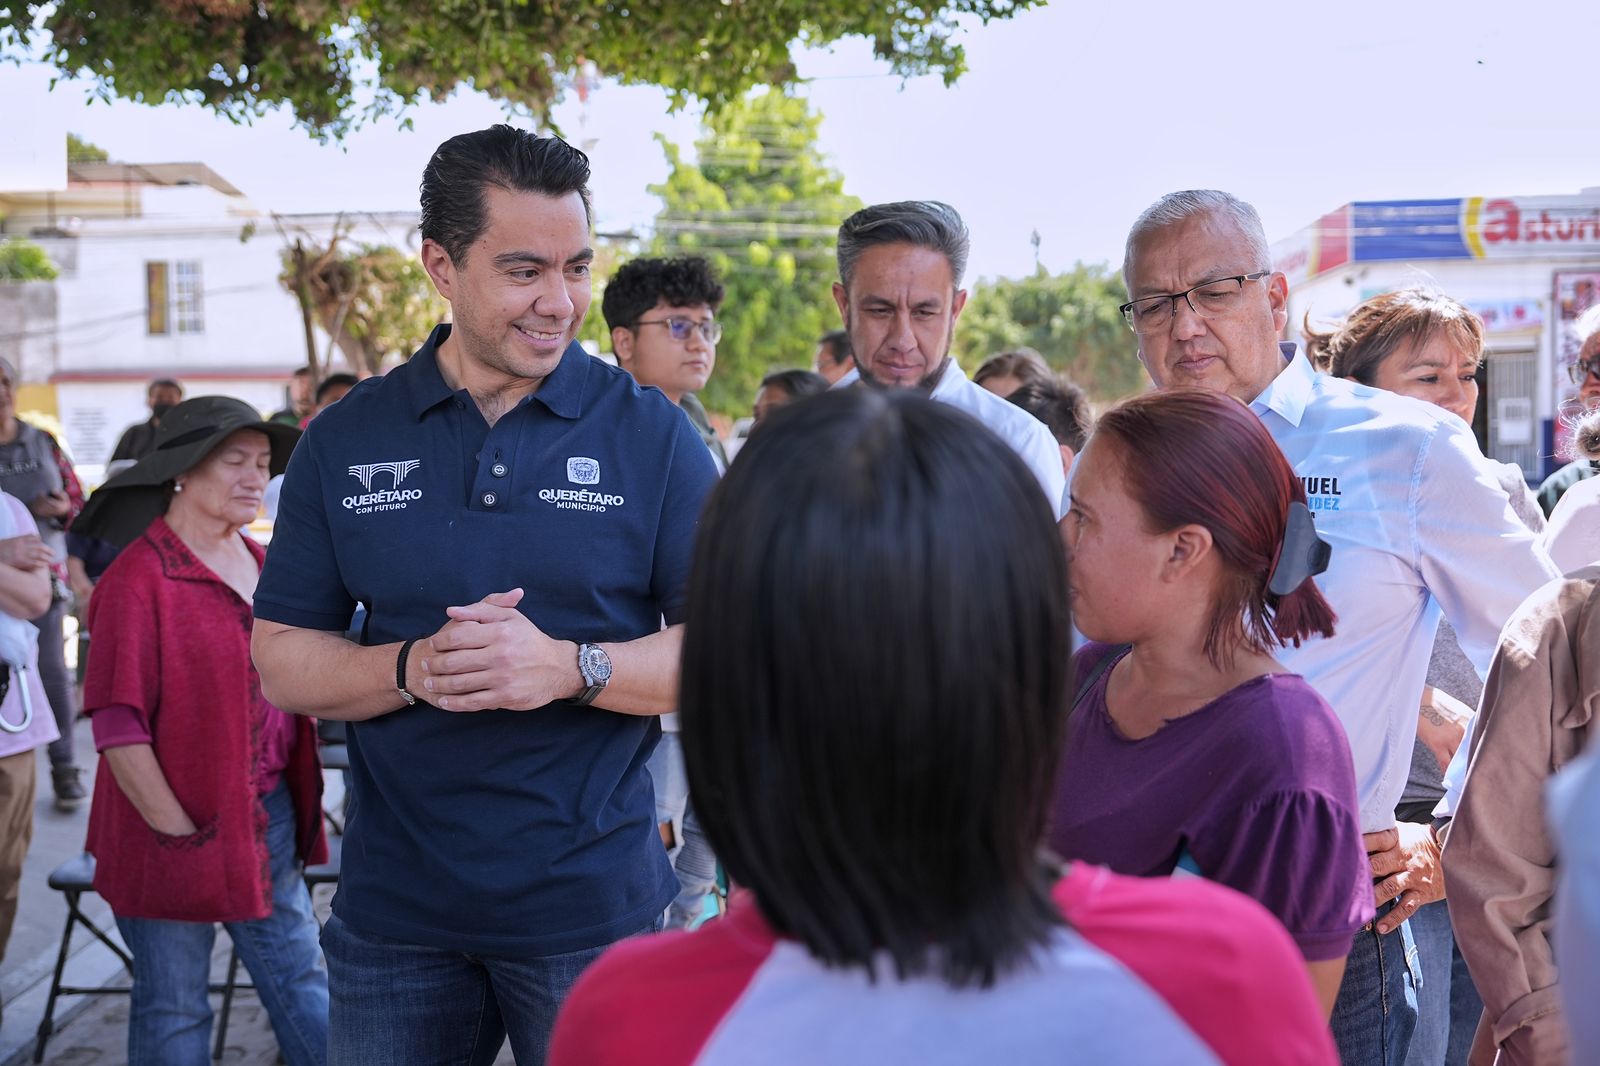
(595, 665)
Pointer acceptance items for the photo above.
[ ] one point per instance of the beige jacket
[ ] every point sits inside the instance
(1542, 691)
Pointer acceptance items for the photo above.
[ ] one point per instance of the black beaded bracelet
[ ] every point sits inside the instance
(400, 671)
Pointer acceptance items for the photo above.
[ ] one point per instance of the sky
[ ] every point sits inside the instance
(1070, 120)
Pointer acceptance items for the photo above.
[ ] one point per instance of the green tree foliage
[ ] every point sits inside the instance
(82, 151)
(761, 203)
(335, 62)
(1070, 318)
(22, 260)
(374, 301)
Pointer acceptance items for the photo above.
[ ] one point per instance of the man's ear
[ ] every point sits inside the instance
(1278, 300)
(1067, 455)
(436, 261)
(622, 345)
(842, 298)
(957, 304)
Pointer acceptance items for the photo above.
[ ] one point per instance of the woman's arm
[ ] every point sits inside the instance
(139, 776)
(1325, 978)
(24, 576)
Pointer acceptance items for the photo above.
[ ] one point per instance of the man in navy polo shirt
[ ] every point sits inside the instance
(516, 517)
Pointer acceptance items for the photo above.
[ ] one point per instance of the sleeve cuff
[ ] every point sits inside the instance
(1538, 1010)
(118, 726)
(304, 618)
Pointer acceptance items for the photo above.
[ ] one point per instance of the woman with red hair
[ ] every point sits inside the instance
(1190, 748)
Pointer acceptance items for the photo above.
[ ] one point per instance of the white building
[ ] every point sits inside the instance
(1528, 265)
(166, 270)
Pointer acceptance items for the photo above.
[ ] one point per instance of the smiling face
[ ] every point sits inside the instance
(1237, 352)
(1434, 370)
(228, 484)
(648, 352)
(900, 311)
(522, 288)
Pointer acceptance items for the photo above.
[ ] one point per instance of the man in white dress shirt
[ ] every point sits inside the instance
(899, 291)
(1417, 521)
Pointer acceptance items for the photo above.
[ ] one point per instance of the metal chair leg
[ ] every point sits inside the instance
(47, 1025)
(227, 1003)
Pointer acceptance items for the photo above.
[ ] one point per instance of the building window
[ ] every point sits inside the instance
(156, 298)
(186, 297)
(173, 294)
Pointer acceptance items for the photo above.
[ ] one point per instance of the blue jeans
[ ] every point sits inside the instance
(395, 1002)
(1448, 1005)
(170, 1022)
(1376, 1011)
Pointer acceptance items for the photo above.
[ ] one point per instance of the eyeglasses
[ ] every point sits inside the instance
(1581, 370)
(1209, 299)
(681, 328)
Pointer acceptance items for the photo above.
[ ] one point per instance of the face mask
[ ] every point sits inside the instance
(160, 409)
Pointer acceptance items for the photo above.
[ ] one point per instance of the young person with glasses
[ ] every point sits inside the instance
(662, 314)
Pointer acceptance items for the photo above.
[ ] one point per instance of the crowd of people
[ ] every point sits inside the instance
(948, 722)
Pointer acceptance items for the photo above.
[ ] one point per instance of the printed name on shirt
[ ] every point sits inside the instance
(393, 499)
(1322, 493)
(581, 470)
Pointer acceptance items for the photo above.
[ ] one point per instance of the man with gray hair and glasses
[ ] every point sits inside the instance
(899, 292)
(1417, 522)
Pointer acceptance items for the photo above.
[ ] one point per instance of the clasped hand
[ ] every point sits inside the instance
(489, 655)
(1407, 858)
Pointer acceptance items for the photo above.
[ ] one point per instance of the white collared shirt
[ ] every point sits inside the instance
(1029, 438)
(1418, 522)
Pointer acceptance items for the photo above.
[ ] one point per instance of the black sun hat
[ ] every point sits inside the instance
(121, 509)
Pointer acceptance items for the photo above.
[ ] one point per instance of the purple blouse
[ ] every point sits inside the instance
(1257, 789)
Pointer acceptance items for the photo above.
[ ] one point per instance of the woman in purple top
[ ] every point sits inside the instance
(1191, 748)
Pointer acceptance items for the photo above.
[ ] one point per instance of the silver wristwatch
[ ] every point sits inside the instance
(595, 666)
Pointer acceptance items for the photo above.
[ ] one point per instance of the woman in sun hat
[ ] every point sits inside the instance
(209, 798)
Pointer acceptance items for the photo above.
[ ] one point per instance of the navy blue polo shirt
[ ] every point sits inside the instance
(510, 833)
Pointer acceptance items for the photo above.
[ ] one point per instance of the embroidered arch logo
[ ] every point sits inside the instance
(394, 498)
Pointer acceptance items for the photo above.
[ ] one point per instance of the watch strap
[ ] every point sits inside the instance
(595, 687)
(400, 671)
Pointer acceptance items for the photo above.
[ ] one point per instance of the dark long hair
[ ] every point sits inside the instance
(1193, 456)
(874, 682)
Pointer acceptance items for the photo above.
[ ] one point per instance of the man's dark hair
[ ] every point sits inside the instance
(453, 210)
(686, 281)
(334, 381)
(912, 684)
(924, 223)
(301, 372)
(837, 343)
(798, 384)
(1061, 406)
(163, 383)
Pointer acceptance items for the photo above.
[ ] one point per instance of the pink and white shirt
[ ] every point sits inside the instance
(1144, 971)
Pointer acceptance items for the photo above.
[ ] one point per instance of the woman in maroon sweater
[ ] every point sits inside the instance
(208, 797)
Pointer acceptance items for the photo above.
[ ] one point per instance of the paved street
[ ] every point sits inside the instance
(94, 1029)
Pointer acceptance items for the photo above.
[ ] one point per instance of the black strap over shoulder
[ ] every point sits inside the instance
(1100, 668)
